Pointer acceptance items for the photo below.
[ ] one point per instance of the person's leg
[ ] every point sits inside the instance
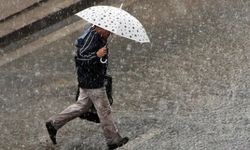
(54, 123)
(102, 105)
(75, 110)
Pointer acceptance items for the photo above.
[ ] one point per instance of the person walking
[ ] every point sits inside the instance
(91, 77)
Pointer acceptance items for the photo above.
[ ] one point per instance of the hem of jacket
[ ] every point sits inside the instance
(88, 87)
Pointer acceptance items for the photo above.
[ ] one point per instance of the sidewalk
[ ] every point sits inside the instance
(20, 19)
(13, 7)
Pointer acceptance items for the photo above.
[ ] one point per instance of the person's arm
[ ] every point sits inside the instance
(90, 58)
(102, 52)
(88, 51)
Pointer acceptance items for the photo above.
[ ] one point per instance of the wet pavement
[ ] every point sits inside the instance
(187, 90)
(11, 7)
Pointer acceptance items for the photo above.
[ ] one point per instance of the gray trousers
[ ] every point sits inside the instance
(87, 97)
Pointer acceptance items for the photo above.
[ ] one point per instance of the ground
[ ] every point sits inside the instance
(186, 90)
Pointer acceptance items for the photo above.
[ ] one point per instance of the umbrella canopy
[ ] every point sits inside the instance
(116, 21)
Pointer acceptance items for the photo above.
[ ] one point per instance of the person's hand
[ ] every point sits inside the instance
(102, 52)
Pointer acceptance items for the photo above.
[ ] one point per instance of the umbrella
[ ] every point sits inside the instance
(117, 21)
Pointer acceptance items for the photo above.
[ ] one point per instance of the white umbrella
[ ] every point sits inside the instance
(116, 21)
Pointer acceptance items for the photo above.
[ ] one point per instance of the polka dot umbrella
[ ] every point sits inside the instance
(117, 21)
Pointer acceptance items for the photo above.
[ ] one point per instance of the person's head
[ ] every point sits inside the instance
(102, 32)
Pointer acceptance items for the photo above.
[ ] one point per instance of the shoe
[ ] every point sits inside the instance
(90, 117)
(119, 144)
(52, 132)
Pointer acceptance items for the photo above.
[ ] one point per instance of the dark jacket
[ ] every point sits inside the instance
(90, 71)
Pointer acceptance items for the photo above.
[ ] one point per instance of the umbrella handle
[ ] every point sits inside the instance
(103, 61)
